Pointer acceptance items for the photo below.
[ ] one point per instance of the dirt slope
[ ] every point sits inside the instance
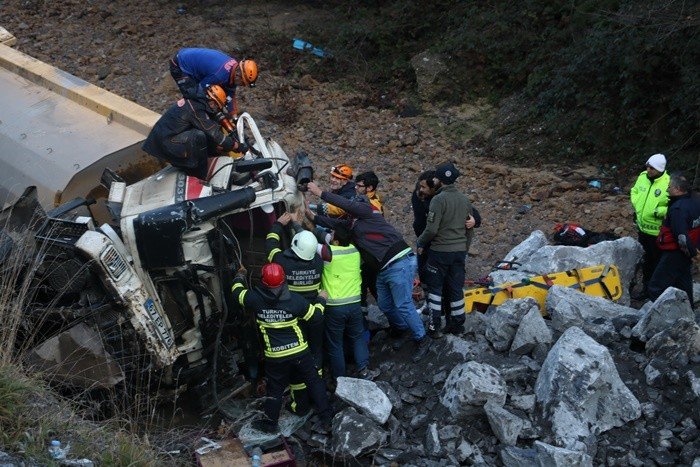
(124, 46)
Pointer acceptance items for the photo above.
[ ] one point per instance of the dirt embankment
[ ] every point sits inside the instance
(125, 46)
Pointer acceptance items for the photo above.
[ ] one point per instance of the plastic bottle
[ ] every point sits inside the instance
(256, 457)
(56, 451)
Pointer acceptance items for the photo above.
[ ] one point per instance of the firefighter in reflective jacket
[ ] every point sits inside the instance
(278, 312)
(302, 267)
(678, 240)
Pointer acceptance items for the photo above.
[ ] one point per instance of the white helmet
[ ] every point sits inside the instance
(304, 244)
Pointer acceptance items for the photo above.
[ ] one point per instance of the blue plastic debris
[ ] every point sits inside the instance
(304, 46)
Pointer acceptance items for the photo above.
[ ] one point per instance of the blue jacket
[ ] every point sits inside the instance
(207, 66)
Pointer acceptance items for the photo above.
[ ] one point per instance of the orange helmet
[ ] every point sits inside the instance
(342, 171)
(249, 72)
(216, 94)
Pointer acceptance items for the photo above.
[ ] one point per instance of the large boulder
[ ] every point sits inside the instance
(354, 434)
(502, 322)
(624, 253)
(670, 351)
(471, 385)
(505, 425)
(430, 70)
(376, 319)
(365, 396)
(672, 305)
(580, 391)
(600, 318)
(532, 331)
(522, 252)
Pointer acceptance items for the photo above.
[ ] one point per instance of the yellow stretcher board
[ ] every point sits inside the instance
(600, 281)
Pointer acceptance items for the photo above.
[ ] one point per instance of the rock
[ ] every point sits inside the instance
(597, 316)
(471, 385)
(670, 350)
(376, 319)
(518, 457)
(430, 70)
(103, 71)
(625, 253)
(526, 248)
(449, 432)
(694, 383)
(432, 441)
(391, 393)
(505, 425)
(525, 403)
(549, 455)
(672, 305)
(354, 434)
(502, 322)
(504, 276)
(532, 331)
(365, 396)
(580, 391)
(469, 453)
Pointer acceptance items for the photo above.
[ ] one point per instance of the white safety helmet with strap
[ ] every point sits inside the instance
(304, 244)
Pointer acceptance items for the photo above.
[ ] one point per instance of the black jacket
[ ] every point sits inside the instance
(303, 277)
(377, 240)
(278, 312)
(681, 225)
(184, 115)
(420, 213)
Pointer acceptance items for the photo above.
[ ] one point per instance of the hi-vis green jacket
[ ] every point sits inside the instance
(650, 201)
(278, 312)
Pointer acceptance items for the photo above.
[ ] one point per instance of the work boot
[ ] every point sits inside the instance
(435, 333)
(265, 425)
(422, 347)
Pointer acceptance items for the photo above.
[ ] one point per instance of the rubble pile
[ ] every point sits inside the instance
(593, 383)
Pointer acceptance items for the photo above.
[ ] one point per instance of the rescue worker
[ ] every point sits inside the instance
(196, 68)
(446, 234)
(420, 202)
(302, 267)
(278, 312)
(187, 134)
(341, 184)
(649, 197)
(380, 243)
(343, 316)
(678, 241)
(366, 185)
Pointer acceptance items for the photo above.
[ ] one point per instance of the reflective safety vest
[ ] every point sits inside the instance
(341, 276)
(650, 201)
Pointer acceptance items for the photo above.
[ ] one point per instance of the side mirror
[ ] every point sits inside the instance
(302, 170)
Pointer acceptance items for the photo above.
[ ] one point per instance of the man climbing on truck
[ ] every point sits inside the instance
(187, 134)
(194, 69)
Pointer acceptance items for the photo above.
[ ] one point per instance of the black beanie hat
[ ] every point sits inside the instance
(447, 173)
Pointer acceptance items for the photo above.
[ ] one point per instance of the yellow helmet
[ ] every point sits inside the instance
(249, 72)
(216, 94)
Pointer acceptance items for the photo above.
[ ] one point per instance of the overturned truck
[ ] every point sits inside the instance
(136, 283)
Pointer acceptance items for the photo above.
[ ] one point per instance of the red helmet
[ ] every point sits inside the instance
(273, 275)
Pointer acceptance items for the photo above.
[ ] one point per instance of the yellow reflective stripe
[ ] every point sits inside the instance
(297, 387)
(304, 288)
(241, 298)
(309, 313)
(273, 235)
(236, 285)
(286, 353)
(282, 325)
(272, 254)
(300, 335)
(266, 338)
(343, 301)
(320, 307)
